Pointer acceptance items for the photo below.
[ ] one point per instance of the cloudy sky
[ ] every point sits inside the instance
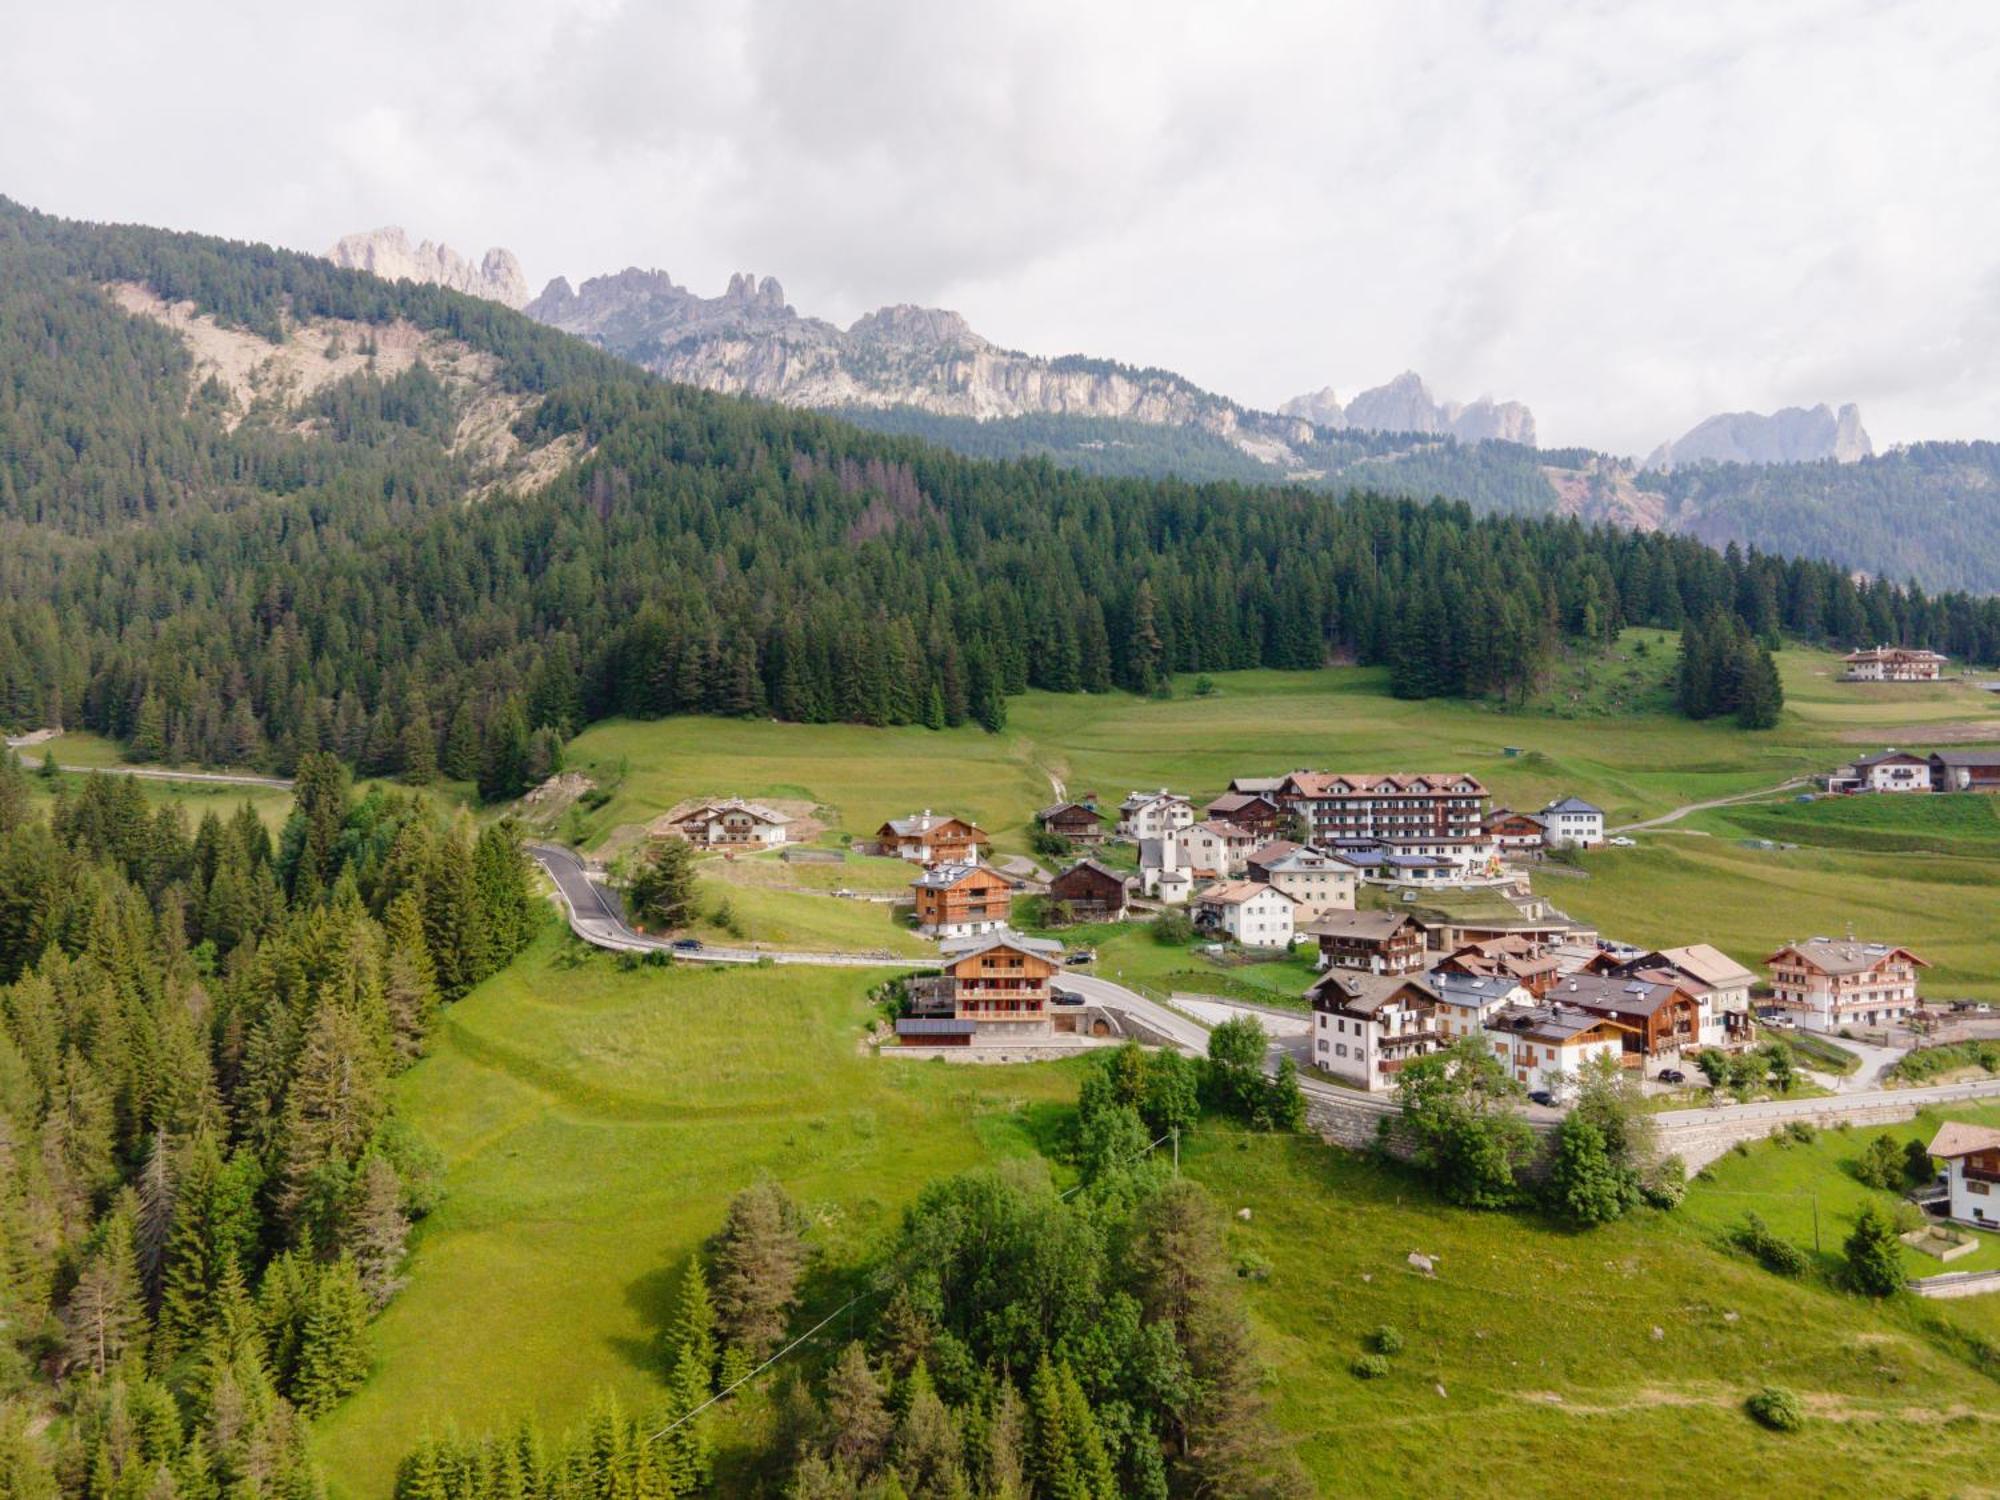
(1627, 215)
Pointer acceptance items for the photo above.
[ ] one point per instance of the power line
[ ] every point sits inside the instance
(857, 1298)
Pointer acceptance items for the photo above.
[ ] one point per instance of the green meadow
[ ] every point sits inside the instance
(593, 1119)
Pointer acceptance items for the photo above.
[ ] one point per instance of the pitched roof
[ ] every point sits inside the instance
(944, 877)
(1253, 785)
(1263, 854)
(1138, 800)
(1369, 926)
(1573, 805)
(1230, 802)
(1364, 994)
(1710, 965)
(1061, 807)
(1236, 892)
(1956, 1138)
(756, 810)
(918, 824)
(1845, 956)
(1627, 997)
(1970, 758)
(1091, 865)
(1886, 757)
(1549, 1023)
(1327, 784)
(1295, 860)
(1006, 937)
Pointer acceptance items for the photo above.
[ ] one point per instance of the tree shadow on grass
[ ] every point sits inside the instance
(654, 1297)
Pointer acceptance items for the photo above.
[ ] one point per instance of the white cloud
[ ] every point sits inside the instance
(1628, 215)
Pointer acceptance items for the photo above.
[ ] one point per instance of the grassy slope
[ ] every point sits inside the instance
(595, 1120)
(1258, 722)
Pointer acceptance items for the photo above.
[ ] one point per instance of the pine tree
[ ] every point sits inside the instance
(693, 1336)
(376, 1231)
(856, 1413)
(333, 1354)
(460, 760)
(105, 1316)
(758, 1258)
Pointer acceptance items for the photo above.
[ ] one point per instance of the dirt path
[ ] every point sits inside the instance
(1694, 807)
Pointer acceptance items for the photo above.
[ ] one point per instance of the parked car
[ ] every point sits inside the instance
(1060, 996)
(1081, 956)
(688, 945)
(1619, 841)
(1542, 1097)
(1671, 1075)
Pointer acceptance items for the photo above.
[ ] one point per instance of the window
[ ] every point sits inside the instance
(1981, 1188)
(1340, 1050)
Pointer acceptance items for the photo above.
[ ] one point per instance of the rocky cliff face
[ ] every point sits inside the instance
(1405, 404)
(749, 341)
(1795, 435)
(387, 253)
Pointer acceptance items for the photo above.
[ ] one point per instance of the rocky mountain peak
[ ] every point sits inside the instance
(1405, 404)
(1791, 435)
(905, 323)
(746, 291)
(387, 253)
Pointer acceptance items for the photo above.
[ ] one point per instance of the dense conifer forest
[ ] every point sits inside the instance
(255, 593)
(204, 1191)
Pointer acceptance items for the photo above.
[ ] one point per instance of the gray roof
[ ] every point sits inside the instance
(934, 1026)
(944, 877)
(1083, 807)
(1364, 994)
(1573, 805)
(1967, 758)
(1005, 938)
(1376, 925)
(756, 810)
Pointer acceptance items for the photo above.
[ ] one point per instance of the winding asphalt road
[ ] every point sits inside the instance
(595, 917)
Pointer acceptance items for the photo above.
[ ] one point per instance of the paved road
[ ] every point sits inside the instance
(1694, 807)
(153, 773)
(1937, 1093)
(596, 918)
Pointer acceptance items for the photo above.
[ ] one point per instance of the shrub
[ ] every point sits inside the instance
(1776, 1408)
(1667, 1184)
(1802, 1131)
(1874, 1255)
(1741, 1148)
(1917, 1164)
(1881, 1165)
(1370, 1367)
(1172, 929)
(1386, 1340)
(1780, 1257)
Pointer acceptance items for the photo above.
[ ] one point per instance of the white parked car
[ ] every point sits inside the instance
(1621, 842)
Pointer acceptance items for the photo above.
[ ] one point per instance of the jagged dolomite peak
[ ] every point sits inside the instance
(387, 253)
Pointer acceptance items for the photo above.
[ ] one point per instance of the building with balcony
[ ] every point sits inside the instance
(1828, 983)
(1971, 1154)
(1366, 1027)
(993, 988)
(1546, 1047)
(961, 900)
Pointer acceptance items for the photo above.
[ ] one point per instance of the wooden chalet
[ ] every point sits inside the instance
(1516, 959)
(732, 823)
(932, 838)
(1367, 1026)
(961, 900)
(1665, 1018)
(1256, 812)
(1078, 822)
(1376, 942)
(1093, 892)
(1515, 830)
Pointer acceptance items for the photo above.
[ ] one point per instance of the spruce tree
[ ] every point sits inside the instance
(333, 1353)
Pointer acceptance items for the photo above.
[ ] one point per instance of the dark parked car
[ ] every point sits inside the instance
(1672, 1075)
(1060, 996)
(688, 945)
(1542, 1097)
(1081, 956)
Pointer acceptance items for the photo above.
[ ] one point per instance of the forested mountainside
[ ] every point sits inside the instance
(1930, 511)
(241, 573)
(204, 1189)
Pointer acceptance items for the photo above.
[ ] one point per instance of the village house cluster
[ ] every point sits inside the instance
(1276, 861)
(1904, 771)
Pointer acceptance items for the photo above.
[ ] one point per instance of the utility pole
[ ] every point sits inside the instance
(1177, 1150)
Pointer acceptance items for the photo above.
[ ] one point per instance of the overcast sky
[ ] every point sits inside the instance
(1627, 215)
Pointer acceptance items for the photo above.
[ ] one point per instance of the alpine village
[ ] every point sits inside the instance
(636, 890)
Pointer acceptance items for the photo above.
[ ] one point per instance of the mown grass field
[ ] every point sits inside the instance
(594, 1120)
(1786, 1183)
(1697, 883)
